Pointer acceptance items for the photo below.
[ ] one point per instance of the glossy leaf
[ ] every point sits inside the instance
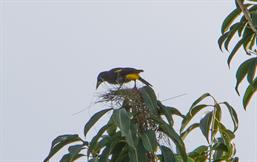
(94, 119)
(242, 71)
(69, 158)
(242, 26)
(104, 154)
(227, 136)
(168, 115)
(254, 18)
(252, 66)
(116, 148)
(149, 140)
(229, 20)
(199, 154)
(220, 149)
(220, 146)
(167, 154)
(217, 117)
(222, 39)
(200, 99)
(171, 133)
(61, 141)
(150, 98)
(188, 130)
(192, 112)
(231, 34)
(142, 153)
(94, 141)
(205, 125)
(235, 49)
(250, 91)
(123, 155)
(123, 121)
(233, 115)
(74, 152)
(247, 36)
(179, 159)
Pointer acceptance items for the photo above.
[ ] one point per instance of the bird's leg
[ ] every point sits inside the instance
(135, 84)
(120, 85)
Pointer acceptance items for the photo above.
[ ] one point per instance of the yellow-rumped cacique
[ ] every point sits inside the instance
(120, 76)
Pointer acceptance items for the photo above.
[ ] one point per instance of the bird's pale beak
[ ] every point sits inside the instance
(98, 83)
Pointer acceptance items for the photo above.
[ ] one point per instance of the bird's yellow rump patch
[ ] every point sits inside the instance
(133, 76)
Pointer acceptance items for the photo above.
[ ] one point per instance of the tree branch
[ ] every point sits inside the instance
(246, 15)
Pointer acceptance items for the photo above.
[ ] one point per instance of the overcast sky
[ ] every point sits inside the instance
(52, 51)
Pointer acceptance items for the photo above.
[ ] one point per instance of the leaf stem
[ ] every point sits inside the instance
(212, 129)
(246, 15)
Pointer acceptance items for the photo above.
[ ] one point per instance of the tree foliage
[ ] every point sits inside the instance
(137, 128)
(141, 128)
(243, 22)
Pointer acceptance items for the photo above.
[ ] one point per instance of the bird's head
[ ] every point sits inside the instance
(101, 78)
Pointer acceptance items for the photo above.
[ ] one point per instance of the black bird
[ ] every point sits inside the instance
(120, 76)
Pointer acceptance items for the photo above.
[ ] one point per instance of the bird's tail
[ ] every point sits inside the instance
(145, 82)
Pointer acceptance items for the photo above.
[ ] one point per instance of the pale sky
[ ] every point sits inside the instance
(52, 52)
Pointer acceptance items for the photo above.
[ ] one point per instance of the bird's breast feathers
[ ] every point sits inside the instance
(133, 76)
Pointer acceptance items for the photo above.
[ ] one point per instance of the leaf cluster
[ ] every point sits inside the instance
(133, 131)
(236, 23)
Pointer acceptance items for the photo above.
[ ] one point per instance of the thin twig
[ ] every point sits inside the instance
(174, 97)
(246, 15)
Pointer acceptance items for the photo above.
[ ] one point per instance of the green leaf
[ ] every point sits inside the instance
(233, 115)
(200, 153)
(205, 125)
(69, 158)
(227, 136)
(236, 159)
(247, 36)
(188, 130)
(250, 90)
(142, 153)
(150, 98)
(252, 66)
(149, 140)
(237, 46)
(167, 154)
(116, 148)
(231, 34)
(235, 49)
(94, 119)
(220, 146)
(174, 111)
(105, 154)
(123, 155)
(243, 70)
(220, 150)
(74, 152)
(94, 141)
(60, 142)
(221, 39)
(217, 117)
(254, 18)
(126, 127)
(242, 26)
(200, 99)
(93, 160)
(229, 20)
(192, 112)
(179, 159)
(164, 110)
(171, 133)
(112, 129)
(105, 141)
